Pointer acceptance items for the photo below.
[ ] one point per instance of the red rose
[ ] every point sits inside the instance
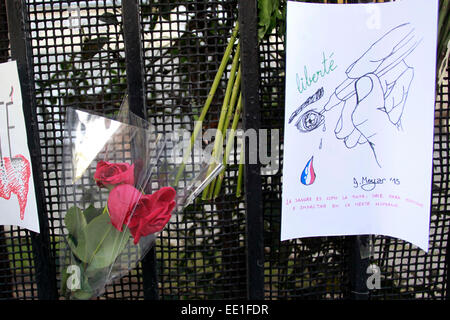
(152, 213)
(110, 174)
(121, 203)
(143, 214)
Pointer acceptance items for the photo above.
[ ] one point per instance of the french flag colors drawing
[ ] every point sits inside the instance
(308, 175)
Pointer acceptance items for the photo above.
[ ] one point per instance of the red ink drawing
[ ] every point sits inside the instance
(14, 171)
(14, 178)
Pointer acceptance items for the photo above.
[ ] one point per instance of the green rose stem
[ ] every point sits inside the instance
(236, 91)
(270, 12)
(229, 146)
(209, 99)
(221, 127)
(240, 175)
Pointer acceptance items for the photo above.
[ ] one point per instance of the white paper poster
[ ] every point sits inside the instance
(358, 146)
(17, 197)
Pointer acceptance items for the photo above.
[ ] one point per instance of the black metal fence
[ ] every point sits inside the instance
(165, 54)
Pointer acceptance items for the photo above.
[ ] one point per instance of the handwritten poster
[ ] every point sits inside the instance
(360, 90)
(17, 197)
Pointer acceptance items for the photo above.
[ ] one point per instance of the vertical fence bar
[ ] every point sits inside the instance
(446, 97)
(21, 52)
(248, 24)
(447, 270)
(134, 57)
(358, 265)
(136, 99)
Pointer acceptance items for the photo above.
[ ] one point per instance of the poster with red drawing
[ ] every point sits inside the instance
(359, 119)
(17, 196)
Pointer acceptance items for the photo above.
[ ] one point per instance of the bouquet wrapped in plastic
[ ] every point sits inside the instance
(120, 192)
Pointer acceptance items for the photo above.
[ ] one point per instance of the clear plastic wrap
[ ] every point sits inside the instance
(120, 190)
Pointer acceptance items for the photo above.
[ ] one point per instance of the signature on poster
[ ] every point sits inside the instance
(370, 183)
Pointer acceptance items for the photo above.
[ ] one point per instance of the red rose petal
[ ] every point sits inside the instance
(165, 194)
(152, 213)
(121, 202)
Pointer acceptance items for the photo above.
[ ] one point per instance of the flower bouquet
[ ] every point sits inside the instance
(120, 193)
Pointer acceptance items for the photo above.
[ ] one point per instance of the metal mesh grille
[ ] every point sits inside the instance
(17, 278)
(78, 56)
(79, 60)
(202, 253)
(311, 268)
(318, 267)
(407, 272)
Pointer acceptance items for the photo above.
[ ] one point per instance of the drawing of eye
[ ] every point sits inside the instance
(309, 121)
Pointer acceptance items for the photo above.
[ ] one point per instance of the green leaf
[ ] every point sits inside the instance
(109, 18)
(269, 13)
(101, 243)
(92, 46)
(75, 222)
(91, 212)
(85, 292)
(264, 14)
(64, 277)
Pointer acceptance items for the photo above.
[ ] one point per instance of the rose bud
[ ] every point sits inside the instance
(110, 174)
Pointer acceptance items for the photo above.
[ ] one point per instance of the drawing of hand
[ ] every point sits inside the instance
(397, 91)
(375, 90)
(363, 115)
